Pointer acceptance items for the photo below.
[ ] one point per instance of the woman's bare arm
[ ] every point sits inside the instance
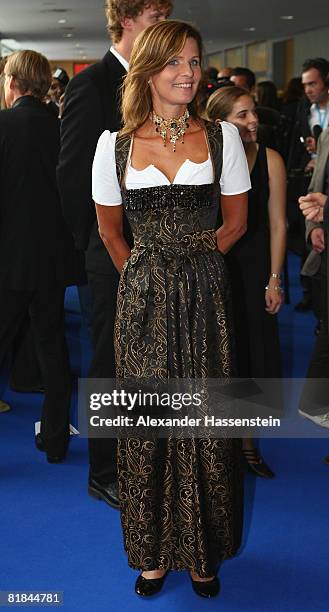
(278, 226)
(110, 227)
(234, 214)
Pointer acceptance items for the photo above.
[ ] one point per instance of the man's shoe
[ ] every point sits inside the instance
(4, 407)
(108, 493)
(51, 458)
(208, 588)
(146, 587)
(319, 419)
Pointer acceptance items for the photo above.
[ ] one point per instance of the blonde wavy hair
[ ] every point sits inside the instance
(118, 10)
(152, 51)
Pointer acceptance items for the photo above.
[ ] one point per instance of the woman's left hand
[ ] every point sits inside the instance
(274, 297)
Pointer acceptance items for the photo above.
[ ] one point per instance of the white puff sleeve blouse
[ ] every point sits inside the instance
(234, 179)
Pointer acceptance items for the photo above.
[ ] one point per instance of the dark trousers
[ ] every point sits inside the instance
(315, 396)
(25, 370)
(103, 451)
(316, 290)
(85, 300)
(46, 309)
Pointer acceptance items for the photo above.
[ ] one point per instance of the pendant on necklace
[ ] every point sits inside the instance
(175, 128)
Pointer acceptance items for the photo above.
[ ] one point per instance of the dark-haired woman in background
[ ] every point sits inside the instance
(255, 262)
(290, 100)
(267, 95)
(271, 127)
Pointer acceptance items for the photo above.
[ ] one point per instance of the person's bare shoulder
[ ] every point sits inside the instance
(275, 162)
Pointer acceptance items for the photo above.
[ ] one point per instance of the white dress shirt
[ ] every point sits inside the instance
(121, 59)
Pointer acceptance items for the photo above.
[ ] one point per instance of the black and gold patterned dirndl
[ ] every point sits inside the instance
(181, 499)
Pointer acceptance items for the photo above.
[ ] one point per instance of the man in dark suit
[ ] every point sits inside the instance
(37, 255)
(314, 398)
(311, 118)
(299, 157)
(312, 112)
(92, 105)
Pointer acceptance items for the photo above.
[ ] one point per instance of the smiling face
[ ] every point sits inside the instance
(244, 117)
(177, 84)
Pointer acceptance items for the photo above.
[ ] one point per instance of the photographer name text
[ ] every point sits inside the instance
(206, 421)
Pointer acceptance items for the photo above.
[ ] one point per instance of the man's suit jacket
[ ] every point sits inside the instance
(326, 260)
(36, 247)
(298, 157)
(312, 263)
(92, 105)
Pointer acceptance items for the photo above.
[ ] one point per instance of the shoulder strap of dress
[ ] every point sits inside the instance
(122, 146)
(215, 139)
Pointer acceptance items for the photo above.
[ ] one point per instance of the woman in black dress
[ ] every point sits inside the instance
(255, 262)
(180, 499)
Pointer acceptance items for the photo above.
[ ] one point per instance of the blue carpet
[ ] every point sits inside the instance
(54, 537)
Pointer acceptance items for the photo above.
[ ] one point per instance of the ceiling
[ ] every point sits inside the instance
(35, 23)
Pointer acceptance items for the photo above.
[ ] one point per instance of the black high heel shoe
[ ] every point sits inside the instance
(146, 587)
(256, 463)
(206, 588)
